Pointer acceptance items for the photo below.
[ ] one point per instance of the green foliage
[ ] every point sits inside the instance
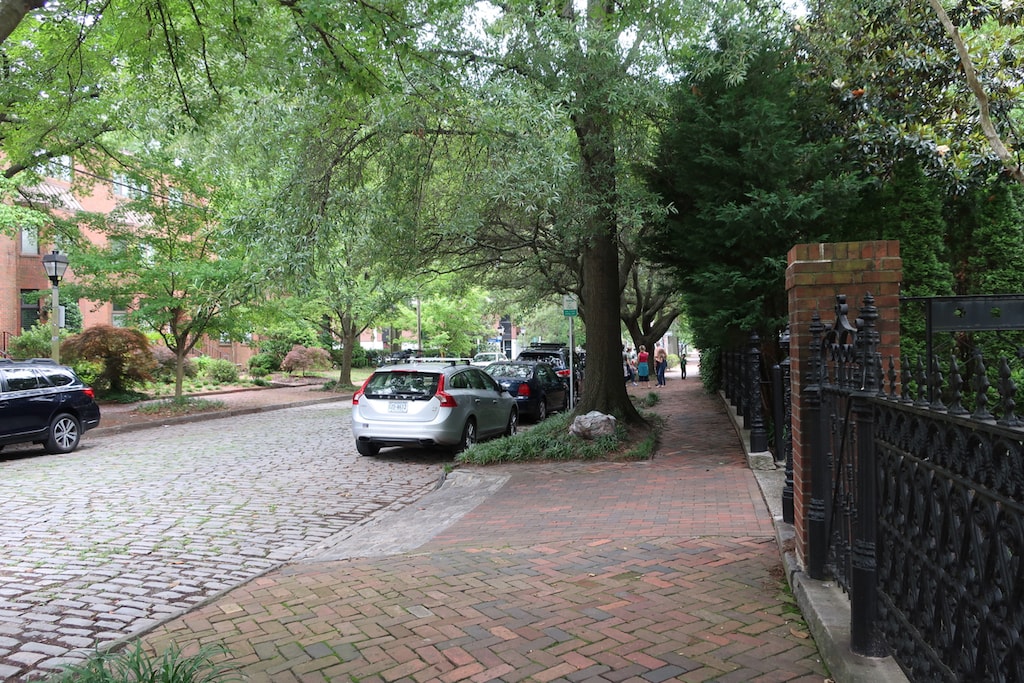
(124, 353)
(136, 665)
(169, 262)
(989, 258)
(72, 317)
(262, 364)
(221, 371)
(746, 184)
(166, 364)
(32, 343)
(652, 398)
(186, 405)
(909, 209)
(277, 342)
(898, 89)
(711, 369)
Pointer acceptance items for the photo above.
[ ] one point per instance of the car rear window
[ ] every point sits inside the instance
(58, 377)
(509, 370)
(414, 385)
(552, 358)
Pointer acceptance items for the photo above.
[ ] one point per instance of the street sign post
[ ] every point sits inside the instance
(570, 309)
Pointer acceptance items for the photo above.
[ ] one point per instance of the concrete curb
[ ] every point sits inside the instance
(211, 415)
(825, 607)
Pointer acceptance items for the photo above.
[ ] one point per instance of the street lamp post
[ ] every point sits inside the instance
(55, 264)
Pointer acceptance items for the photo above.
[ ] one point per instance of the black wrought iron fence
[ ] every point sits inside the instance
(918, 501)
(743, 383)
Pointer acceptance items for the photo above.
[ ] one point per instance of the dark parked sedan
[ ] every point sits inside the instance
(45, 403)
(536, 386)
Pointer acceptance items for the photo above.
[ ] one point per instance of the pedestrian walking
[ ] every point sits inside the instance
(660, 365)
(643, 368)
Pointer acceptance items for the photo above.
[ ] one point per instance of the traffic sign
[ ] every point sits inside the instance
(570, 306)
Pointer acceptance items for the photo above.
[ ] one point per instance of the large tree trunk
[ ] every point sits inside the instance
(12, 12)
(603, 385)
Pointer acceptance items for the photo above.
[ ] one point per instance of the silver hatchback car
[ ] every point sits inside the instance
(429, 405)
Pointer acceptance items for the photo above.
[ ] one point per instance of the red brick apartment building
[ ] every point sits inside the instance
(21, 267)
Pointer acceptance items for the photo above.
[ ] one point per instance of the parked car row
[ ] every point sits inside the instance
(455, 405)
(430, 405)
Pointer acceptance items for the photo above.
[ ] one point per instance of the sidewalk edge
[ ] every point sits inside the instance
(825, 608)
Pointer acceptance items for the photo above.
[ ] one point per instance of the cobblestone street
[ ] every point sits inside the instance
(134, 528)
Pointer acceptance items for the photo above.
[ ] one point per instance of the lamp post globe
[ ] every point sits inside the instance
(55, 264)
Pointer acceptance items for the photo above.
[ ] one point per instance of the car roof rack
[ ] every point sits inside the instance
(29, 361)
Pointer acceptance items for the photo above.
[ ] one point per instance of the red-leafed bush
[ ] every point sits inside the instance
(122, 351)
(302, 359)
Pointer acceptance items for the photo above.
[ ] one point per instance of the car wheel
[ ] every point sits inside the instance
(63, 435)
(513, 423)
(468, 436)
(542, 409)
(367, 448)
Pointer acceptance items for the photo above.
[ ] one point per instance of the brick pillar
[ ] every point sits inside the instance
(815, 275)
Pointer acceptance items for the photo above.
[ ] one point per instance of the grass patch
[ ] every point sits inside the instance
(550, 440)
(186, 405)
(651, 399)
(135, 665)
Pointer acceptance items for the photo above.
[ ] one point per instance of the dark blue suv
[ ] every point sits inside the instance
(45, 403)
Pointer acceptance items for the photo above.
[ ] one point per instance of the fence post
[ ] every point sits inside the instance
(788, 512)
(758, 433)
(817, 515)
(778, 414)
(865, 638)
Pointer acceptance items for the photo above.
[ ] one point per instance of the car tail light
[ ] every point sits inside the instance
(562, 373)
(446, 399)
(359, 394)
(524, 389)
(89, 392)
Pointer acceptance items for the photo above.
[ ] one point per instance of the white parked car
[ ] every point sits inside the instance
(487, 357)
(430, 405)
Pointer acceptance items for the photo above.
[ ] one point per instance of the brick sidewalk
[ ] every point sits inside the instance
(649, 571)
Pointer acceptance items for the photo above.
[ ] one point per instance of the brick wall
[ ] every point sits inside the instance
(816, 273)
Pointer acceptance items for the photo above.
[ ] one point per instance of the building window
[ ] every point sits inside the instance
(129, 187)
(225, 338)
(29, 308)
(29, 242)
(59, 168)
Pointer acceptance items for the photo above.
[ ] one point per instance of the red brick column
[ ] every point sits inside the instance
(815, 275)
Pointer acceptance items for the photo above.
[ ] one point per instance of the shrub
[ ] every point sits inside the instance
(124, 353)
(135, 664)
(166, 364)
(202, 362)
(32, 343)
(262, 364)
(277, 343)
(222, 371)
(304, 358)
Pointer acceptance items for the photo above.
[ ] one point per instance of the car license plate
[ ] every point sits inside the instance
(398, 406)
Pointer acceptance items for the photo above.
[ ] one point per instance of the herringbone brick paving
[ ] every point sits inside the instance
(666, 570)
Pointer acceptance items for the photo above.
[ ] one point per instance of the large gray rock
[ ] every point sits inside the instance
(592, 425)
